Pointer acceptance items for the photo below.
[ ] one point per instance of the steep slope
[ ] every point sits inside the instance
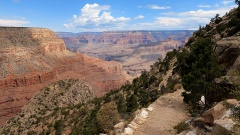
(223, 117)
(209, 68)
(61, 94)
(31, 58)
(224, 32)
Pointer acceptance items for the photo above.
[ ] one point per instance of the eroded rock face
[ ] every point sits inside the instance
(31, 58)
(121, 37)
(135, 50)
(228, 51)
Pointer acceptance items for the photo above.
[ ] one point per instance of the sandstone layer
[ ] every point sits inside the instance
(32, 58)
(135, 50)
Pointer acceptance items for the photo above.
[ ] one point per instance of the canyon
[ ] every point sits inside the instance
(32, 58)
(135, 50)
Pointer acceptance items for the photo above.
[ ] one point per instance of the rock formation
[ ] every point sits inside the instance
(31, 58)
(135, 50)
(228, 51)
(121, 37)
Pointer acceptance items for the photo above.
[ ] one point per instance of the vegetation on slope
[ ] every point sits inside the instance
(201, 72)
(199, 68)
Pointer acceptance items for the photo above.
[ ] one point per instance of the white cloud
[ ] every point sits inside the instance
(205, 13)
(139, 17)
(168, 21)
(226, 2)
(189, 20)
(158, 7)
(204, 6)
(90, 18)
(12, 22)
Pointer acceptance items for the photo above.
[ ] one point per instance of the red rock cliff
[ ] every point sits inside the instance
(31, 58)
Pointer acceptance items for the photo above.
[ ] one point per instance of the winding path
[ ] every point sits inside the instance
(168, 111)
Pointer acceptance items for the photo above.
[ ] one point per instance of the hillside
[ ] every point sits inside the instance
(208, 66)
(32, 58)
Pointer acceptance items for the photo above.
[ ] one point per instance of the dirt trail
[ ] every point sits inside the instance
(168, 111)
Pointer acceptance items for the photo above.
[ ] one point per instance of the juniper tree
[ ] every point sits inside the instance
(199, 68)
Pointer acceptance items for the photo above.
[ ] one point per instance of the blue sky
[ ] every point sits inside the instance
(108, 15)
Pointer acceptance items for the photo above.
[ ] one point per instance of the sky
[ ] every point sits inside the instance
(110, 15)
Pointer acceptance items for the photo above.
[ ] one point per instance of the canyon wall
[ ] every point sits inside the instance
(135, 50)
(32, 58)
(122, 37)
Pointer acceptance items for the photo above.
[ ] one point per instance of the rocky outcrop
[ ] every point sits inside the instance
(31, 58)
(219, 115)
(228, 51)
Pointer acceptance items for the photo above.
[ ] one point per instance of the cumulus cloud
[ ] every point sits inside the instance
(95, 16)
(12, 22)
(184, 20)
(139, 17)
(158, 7)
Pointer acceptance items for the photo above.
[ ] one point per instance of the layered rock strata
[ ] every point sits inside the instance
(32, 58)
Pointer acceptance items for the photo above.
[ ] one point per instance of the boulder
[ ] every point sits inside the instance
(228, 51)
(119, 128)
(139, 120)
(143, 114)
(128, 131)
(210, 115)
(150, 108)
(232, 101)
(219, 114)
(226, 123)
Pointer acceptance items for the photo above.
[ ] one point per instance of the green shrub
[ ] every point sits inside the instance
(181, 127)
(121, 105)
(58, 127)
(132, 103)
(221, 28)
